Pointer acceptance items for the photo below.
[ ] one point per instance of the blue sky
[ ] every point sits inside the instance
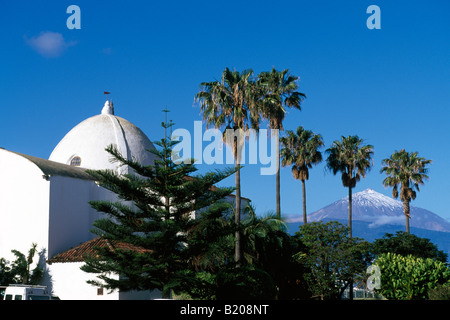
(391, 86)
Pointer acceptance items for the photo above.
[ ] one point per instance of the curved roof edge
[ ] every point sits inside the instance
(53, 168)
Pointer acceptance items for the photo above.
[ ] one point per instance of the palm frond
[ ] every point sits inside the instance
(405, 169)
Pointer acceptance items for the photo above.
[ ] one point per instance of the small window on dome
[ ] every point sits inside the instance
(76, 161)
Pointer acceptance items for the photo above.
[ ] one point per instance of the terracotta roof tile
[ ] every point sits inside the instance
(89, 249)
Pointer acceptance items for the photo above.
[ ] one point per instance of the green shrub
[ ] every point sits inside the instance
(408, 277)
(244, 283)
(441, 292)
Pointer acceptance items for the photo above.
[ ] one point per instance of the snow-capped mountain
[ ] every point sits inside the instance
(378, 209)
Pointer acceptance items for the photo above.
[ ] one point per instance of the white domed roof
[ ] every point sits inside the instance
(85, 144)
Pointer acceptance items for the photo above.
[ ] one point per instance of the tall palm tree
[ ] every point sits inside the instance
(279, 92)
(301, 150)
(353, 159)
(407, 170)
(230, 104)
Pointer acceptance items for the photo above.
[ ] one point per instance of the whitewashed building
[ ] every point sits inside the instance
(47, 201)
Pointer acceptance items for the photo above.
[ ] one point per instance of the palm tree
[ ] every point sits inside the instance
(256, 233)
(301, 150)
(353, 159)
(407, 170)
(279, 90)
(230, 104)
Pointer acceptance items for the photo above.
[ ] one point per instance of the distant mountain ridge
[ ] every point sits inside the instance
(378, 209)
(370, 232)
(374, 215)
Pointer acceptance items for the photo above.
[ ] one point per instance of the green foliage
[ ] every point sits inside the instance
(404, 244)
(278, 91)
(230, 103)
(245, 283)
(153, 214)
(351, 158)
(6, 276)
(408, 277)
(440, 292)
(301, 150)
(191, 257)
(18, 272)
(266, 247)
(405, 170)
(258, 233)
(211, 240)
(275, 92)
(333, 259)
(202, 286)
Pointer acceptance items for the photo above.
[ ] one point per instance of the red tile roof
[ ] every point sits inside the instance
(89, 249)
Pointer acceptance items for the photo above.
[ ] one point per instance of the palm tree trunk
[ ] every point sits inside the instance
(277, 144)
(406, 211)
(237, 213)
(349, 212)
(350, 233)
(304, 201)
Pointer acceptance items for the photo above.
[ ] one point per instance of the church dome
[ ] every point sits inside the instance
(84, 145)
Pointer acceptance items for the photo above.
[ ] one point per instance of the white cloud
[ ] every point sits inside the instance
(293, 218)
(49, 44)
(379, 221)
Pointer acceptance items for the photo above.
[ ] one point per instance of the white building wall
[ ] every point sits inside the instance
(69, 283)
(55, 213)
(71, 215)
(24, 205)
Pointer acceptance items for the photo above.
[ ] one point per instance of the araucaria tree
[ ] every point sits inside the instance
(352, 159)
(152, 215)
(405, 170)
(278, 92)
(301, 150)
(230, 104)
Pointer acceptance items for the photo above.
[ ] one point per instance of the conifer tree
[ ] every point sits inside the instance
(151, 218)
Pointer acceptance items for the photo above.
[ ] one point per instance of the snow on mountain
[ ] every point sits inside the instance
(378, 209)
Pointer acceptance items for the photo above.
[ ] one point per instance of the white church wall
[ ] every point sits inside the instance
(24, 195)
(71, 215)
(70, 283)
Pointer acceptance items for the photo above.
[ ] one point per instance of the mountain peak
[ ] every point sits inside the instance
(371, 198)
(372, 206)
